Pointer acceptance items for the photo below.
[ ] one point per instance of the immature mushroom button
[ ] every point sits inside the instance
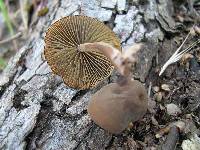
(114, 107)
(79, 69)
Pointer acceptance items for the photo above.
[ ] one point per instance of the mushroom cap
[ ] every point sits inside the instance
(79, 69)
(114, 107)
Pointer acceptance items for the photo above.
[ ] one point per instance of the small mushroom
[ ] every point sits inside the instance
(116, 105)
(79, 69)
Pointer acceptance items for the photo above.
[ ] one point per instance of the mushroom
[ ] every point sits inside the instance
(116, 105)
(79, 69)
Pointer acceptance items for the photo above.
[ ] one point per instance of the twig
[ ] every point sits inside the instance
(149, 89)
(173, 58)
(24, 13)
(177, 55)
(172, 138)
(11, 38)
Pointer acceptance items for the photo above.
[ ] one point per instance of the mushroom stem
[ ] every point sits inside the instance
(121, 61)
(116, 57)
(123, 80)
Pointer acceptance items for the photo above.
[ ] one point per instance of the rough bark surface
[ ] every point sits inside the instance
(37, 111)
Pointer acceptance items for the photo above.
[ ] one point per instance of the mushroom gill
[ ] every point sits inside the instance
(80, 69)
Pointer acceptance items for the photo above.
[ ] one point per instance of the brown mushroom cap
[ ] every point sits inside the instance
(114, 107)
(79, 69)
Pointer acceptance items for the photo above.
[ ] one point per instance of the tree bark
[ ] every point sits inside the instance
(38, 111)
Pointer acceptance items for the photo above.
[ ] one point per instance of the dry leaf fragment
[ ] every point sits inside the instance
(156, 88)
(186, 57)
(158, 96)
(165, 87)
(197, 29)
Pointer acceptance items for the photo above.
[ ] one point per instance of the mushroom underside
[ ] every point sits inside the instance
(79, 69)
